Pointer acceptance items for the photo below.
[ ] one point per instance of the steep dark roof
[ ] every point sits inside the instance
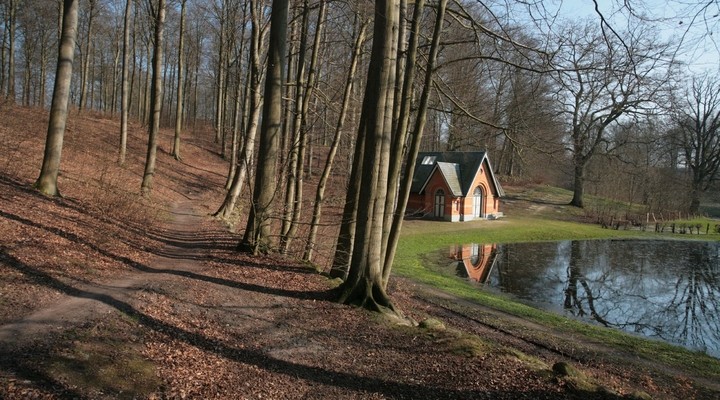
(458, 168)
(451, 172)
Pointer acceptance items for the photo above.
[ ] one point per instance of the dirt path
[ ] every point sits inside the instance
(85, 301)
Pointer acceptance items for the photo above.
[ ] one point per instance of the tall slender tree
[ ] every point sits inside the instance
(257, 237)
(12, 22)
(220, 73)
(303, 131)
(255, 107)
(360, 28)
(47, 182)
(158, 13)
(87, 57)
(364, 284)
(394, 235)
(180, 101)
(125, 91)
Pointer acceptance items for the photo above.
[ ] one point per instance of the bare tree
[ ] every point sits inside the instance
(600, 79)
(221, 73)
(393, 236)
(179, 107)
(254, 90)
(257, 237)
(364, 284)
(124, 92)
(303, 132)
(361, 27)
(47, 181)
(696, 115)
(12, 27)
(158, 13)
(86, 56)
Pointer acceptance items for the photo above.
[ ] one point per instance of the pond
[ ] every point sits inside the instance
(667, 290)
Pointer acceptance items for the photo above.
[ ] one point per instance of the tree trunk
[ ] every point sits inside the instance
(394, 235)
(254, 92)
(293, 170)
(197, 76)
(12, 20)
(3, 40)
(320, 192)
(180, 93)
(44, 50)
(47, 181)
(133, 63)
(578, 199)
(86, 59)
(364, 284)
(402, 54)
(401, 121)
(241, 100)
(124, 100)
(146, 102)
(155, 99)
(257, 238)
(302, 145)
(220, 81)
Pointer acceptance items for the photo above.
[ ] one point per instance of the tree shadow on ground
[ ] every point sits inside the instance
(255, 357)
(317, 295)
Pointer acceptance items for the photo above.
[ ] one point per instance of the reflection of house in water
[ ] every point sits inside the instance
(474, 261)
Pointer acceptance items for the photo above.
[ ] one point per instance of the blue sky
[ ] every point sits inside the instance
(673, 18)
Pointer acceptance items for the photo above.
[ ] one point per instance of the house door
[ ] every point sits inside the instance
(439, 204)
(477, 202)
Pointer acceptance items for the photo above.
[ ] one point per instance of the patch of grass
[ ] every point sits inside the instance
(532, 362)
(421, 238)
(469, 346)
(105, 359)
(461, 343)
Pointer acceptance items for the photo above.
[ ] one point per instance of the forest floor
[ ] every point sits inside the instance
(107, 294)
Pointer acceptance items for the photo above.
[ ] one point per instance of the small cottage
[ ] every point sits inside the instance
(455, 186)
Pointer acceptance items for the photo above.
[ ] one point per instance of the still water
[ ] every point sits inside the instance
(668, 290)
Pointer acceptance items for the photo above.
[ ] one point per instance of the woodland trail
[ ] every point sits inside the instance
(85, 300)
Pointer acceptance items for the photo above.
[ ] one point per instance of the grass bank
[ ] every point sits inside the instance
(422, 238)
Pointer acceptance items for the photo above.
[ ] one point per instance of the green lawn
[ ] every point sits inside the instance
(420, 239)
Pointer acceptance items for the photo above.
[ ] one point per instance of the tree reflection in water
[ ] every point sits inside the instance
(660, 289)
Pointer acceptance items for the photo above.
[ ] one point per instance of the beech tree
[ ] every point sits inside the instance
(294, 200)
(393, 236)
(254, 94)
(364, 284)
(47, 182)
(179, 105)
(125, 91)
(157, 10)
(86, 57)
(11, 11)
(360, 28)
(257, 237)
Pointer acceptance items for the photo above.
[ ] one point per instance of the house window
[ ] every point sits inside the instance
(428, 160)
(439, 203)
(477, 202)
(475, 255)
